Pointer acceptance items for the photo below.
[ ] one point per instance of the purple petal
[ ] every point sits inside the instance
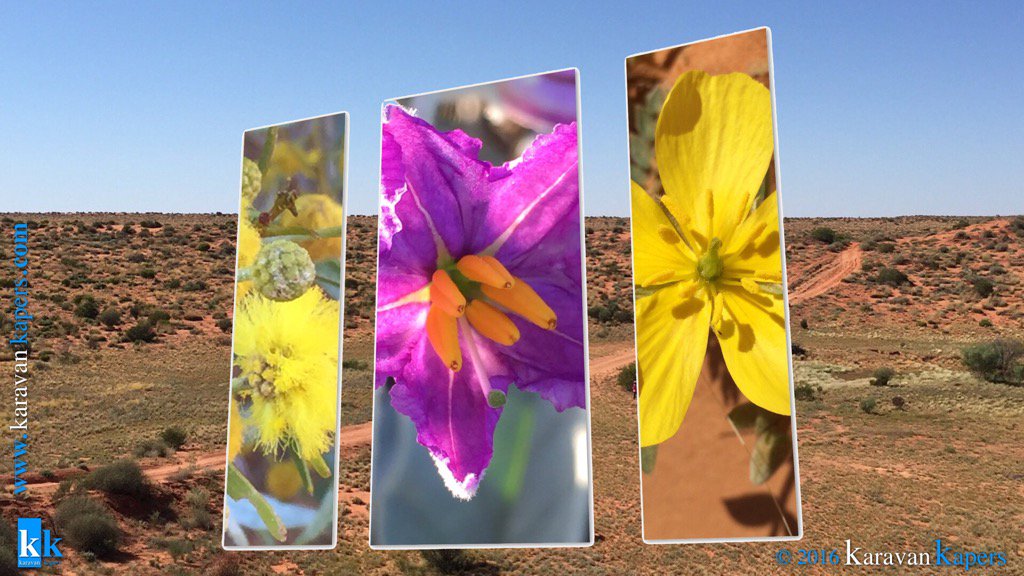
(399, 332)
(450, 412)
(529, 197)
(552, 363)
(437, 170)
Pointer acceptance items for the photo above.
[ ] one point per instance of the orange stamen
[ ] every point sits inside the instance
(485, 270)
(445, 294)
(491, 323)
(524, 301)
(443, 333)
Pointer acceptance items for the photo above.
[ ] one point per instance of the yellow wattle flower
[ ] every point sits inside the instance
(249, 243)
(237, 431)
(288, 353)
(705, 257)
(316, 211)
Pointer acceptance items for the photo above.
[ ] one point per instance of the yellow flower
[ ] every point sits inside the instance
(237, 430)
(283, 480)
(706, 257)
(288, 354)
(316, 211)
(290, 159)
(248, 247)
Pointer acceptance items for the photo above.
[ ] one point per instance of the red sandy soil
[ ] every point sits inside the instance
(824, 275)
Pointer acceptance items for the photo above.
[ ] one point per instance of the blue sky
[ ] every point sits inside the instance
(883, 109)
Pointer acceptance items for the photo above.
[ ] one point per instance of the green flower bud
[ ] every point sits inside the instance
(283, 270)
(496, 399)
(252, 180)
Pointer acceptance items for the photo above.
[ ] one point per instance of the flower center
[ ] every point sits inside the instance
(710, 266)
(259, 378)
(479, 288)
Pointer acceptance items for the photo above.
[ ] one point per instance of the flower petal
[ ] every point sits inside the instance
(551, 362)
(672, 337)
(761, 254)
(714, 133)
(438, 169)
(452, 417)
(753, 339)
(528, 197)
(400, 330)
(655, 259)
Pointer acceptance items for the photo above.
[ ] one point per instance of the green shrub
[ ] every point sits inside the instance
(983, 286)
(152, 448)
(174, 437)
(985, 323)
(87, 525)
(110, 317)
(1017, 225)
(627, 378)
(824, 235)
(121, 477)
(157, 316)
(882, 376)
(224, 324)
(147, 273)
(891, 276)
(806, 392)
(141, 332)
(868, 405)
(87, 307)
(354, 364)
(885, 247)
(448, 561)
(997, 361)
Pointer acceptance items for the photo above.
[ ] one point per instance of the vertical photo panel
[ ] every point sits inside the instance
(481, 429)
(716, 424)
(281, 484)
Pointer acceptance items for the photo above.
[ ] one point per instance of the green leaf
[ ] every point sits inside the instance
(770, 451)
(239, 488)
(268, 149)
(321, 467)
(303, 468)
(744, 416)
(648, 455)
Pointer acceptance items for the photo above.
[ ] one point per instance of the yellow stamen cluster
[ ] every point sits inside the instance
(481, 290)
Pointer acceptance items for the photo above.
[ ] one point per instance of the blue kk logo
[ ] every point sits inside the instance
(34, 544)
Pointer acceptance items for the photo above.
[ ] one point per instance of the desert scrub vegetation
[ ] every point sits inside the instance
(824, 235)
(174, 436)
(87, 525)
(121, 477)
(999, 360)
(882, 376)
(868, 405)
(627, 378)
(891, 277)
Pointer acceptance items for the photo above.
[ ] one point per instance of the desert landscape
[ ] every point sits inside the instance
(900, 440)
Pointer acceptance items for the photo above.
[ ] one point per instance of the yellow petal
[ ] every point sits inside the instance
(755, 245)
(655, 261)
(714, 133)
(753, 339)
(672, 338)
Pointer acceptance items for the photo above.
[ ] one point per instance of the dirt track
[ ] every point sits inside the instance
(826, 275)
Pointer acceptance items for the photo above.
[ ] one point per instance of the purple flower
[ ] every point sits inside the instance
(479, 286)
